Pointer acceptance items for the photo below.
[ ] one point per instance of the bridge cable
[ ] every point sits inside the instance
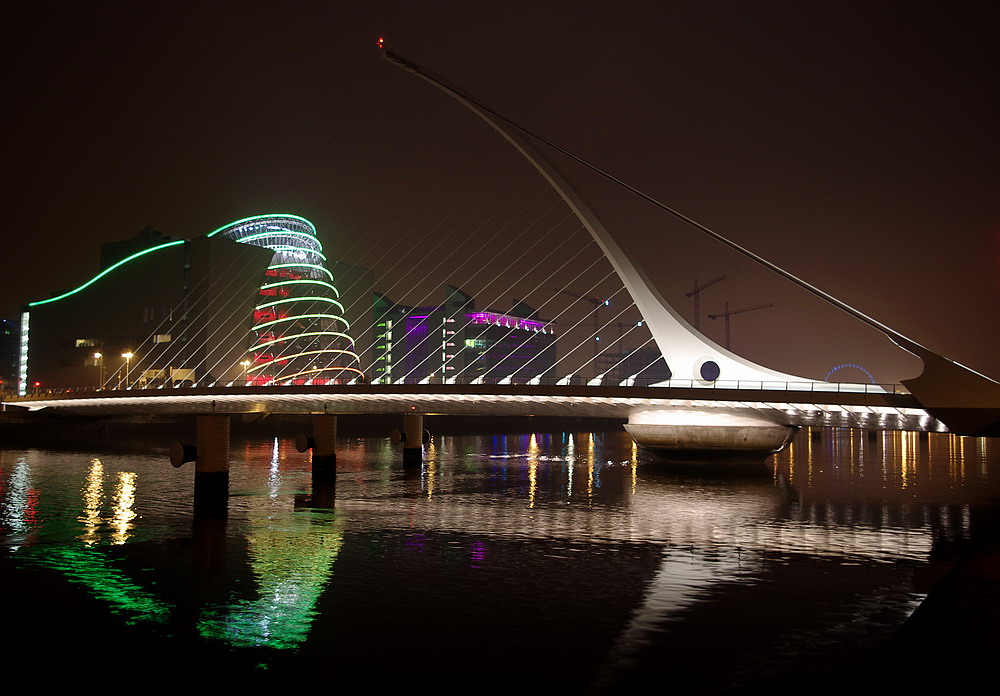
(409, 243)
(898, 338)
(457, 248)
(509, 289)
(554, 319)
(181, 309)
(525, 251)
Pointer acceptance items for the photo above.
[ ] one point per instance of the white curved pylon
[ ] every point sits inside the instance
(689, 354)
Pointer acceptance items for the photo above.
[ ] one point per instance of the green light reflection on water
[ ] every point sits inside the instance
(292, 561)
(89, 567)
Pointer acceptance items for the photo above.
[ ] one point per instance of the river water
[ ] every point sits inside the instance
(558, 561)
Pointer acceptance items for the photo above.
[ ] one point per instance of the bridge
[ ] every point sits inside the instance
(714, 399)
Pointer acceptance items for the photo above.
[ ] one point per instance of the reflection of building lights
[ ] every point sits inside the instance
(124, 507)
(428, 476)
(92, 494)
(291, 567)
(533, 454)
(88, 566)
(590, 469)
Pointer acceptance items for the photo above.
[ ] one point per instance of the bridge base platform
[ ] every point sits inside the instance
(699, 433)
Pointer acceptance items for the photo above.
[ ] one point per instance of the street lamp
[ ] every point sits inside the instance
(99, 361)
(245, 364)
(128, 357)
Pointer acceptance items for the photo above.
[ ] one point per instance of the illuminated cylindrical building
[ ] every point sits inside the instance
(301, 335)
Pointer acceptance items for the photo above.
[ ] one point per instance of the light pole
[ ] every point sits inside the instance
(245, 364)
(128, 358)
(99, 361)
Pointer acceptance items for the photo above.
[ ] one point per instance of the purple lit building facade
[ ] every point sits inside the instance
(456, 342)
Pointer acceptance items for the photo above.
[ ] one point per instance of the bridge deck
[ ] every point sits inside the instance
(789, 406)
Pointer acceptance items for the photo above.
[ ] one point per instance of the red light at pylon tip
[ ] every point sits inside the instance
(381, 42)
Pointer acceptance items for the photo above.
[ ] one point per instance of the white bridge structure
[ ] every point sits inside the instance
(715, 399)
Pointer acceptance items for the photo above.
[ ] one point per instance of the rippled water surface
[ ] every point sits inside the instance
(568, 561)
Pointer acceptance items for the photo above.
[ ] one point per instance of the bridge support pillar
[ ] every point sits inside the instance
(413, 443)
(211, 469)
(701, 434)
(324, 459)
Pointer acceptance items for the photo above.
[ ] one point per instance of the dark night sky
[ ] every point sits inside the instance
(854, 143)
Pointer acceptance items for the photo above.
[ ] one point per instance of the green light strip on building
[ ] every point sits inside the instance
(108, 270)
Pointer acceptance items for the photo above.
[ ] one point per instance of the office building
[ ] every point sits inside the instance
(455, 342)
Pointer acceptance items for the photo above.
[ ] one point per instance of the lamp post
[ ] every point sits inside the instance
(99, 361)
(245, 364)
(128, 358)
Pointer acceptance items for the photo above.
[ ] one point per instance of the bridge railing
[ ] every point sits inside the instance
(743, 385)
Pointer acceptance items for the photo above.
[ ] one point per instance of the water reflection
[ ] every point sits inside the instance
(291, 557)
(124, 504)
(93, 494)
(575, 544)
(20, 507)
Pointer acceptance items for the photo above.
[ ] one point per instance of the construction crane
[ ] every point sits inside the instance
(598, 302)
(728, 314)
(697, 303)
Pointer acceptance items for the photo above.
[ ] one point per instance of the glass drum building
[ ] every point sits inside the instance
(300, 334)
(252, 301)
